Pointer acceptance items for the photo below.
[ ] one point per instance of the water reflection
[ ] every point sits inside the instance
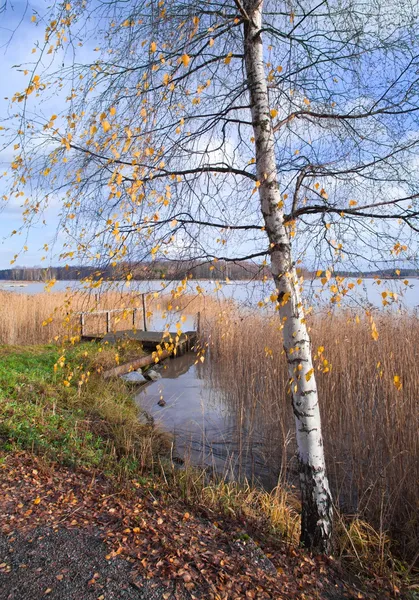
(207, 431)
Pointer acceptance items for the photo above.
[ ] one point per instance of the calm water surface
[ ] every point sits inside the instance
(207, 431)
(249, 293)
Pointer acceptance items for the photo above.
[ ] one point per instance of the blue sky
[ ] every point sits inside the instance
(18, 35)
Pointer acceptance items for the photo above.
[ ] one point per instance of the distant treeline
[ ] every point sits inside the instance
(141, 271)
(383, 273)
(173, 270)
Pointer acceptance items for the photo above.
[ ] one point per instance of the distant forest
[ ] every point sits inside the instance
(173, 270)
(141, 271)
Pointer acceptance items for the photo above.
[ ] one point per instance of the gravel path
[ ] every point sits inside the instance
(71, 565)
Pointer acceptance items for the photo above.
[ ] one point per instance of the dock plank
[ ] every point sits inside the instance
(149, 339)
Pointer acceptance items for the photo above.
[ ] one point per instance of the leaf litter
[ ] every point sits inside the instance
(72, 534)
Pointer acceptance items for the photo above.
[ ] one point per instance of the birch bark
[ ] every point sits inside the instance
(316, 523)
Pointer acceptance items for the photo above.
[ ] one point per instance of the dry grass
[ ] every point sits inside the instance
(370, 426)
(276, 512)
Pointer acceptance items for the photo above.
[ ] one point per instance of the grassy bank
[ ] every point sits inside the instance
(97, 426)
(55, 403)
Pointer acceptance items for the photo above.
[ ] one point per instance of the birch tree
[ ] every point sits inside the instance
(233, 130)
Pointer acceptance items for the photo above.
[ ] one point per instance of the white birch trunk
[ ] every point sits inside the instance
(316, 523)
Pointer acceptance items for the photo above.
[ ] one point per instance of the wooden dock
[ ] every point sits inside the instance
(151, 339)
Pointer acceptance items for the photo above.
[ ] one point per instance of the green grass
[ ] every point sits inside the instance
(44, 409)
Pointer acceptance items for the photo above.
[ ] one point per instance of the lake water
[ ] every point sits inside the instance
(207, 431)
(250, 293)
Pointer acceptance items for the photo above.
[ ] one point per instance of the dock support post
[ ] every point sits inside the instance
(108, 322)
(144, 312)
(134, 312)
(81, 324)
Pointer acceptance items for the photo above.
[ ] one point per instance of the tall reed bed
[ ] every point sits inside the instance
(40, 318)
(45, 317)
(369, 392)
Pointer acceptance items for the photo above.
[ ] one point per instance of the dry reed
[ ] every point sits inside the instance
(370, 421)
(41, 318)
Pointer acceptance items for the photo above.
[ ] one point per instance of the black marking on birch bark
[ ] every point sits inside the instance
(305, 429)
(302, 415)
(293, 361)
(308, 392)
(264, 125)
(281, 247)
(301, 342)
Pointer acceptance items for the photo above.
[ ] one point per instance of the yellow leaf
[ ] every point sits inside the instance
(112, 110)
(211, 42)
(397, 382)
(153, 46)
(353, 202)
(37, 500)
(274, 112)
(227, 59)
(106, 126)
(185, 60)
(309, 374)
(33, 18)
